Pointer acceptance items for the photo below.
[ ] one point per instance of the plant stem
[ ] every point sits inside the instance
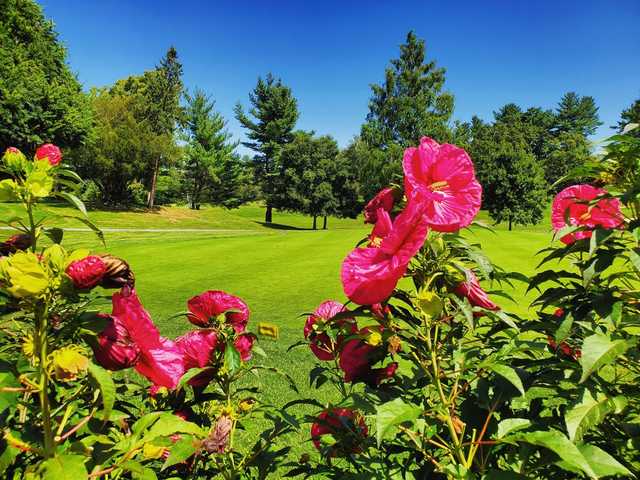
(45, 409)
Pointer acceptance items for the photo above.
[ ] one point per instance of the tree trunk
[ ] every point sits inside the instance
(315, 224)
(154, 179)
(324, 223)
(509, 222)
(268, 215)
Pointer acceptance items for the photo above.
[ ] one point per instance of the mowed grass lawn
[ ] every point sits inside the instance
(281, 271)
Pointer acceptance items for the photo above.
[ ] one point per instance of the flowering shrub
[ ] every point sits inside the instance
(435, 380)
(63, 413)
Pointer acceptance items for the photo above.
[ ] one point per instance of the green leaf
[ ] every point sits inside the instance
(393, 413)
(167, 424)
(599, 350)
(590, 412)
(635, 259)
(190, 374)
(232, 360)
(510, 425)
(107, 388)
(7, 457)
(74, 201)
(564, 329)
(180, 451)
(8, 399)
(89, 224)
(55, 234)
(558, 444)
(509, 374)
(64, 467)
(602, 463)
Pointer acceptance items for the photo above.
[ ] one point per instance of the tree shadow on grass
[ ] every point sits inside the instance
(279, 226)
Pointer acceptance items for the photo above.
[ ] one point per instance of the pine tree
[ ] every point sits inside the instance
(411, 102)
(275, 112)
(40, 99)
(211, 165)
(577, 114)
(630, 115)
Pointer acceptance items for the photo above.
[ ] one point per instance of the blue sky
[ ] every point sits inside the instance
(329, 51)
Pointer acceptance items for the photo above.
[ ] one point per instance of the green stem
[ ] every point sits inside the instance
(32, 225)
(443, 398)
(45, 408)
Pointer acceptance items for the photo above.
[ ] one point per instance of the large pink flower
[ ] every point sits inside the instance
(443, 177)
(115, 349)
(243, 344)
(198, 348)
(384, 200)
(320, 343)
(161, 360)
(577, 204)
(472, 290)
(206, 307)
(370, 274)
(50, 152)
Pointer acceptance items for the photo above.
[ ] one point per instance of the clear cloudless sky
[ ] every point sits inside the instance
(329, 52)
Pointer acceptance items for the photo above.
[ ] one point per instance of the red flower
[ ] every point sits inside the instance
(564, 349)
(206, 307)
(443, 177)
(559, 312)
(50, 152)
(115, 350)
(161, 361)
(244, 344)
(472, 290)
(370, 274)
(577, 203)
(320, 343)
(197, 348)
(357, 358)
(15, 243)
(384, 200)
(380, 311)
(87, 272)
(347, 428)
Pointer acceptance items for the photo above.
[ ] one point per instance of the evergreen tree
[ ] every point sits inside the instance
(577, 114)
(411, 102)
(275, 111)
(630, 115)
(211, 164)
(163, 112)
(40, 99)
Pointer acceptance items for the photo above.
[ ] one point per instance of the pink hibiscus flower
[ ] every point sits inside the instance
(443, 177)
(320, 343)
(161, 360)
(472, 290)
(51, 152)
(347, 428)
(370, 274)
(384, 199)
(243, 344)
(197, 348)
(205, 308)
(115, 349)
(576, 202)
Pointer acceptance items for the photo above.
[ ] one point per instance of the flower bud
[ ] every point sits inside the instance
(87, 272)
(218, 439)
(117, 274)
(244, 344)
(68, 362)
(50, 152)
(14, 159)
(15, 243)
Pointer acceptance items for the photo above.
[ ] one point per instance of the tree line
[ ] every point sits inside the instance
(147, 140)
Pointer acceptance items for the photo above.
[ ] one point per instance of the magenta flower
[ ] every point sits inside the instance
(472, 290)
(442, 176)
(577, 203)
(115, 349)
(87, 272)
(198, 348)
(243, 344)
(320, 343)
(347, 428)
(384, 200)
(208, 306)
(370, 274)
(161, 360)
(50, 152)
(14, 243)
(357, 358)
